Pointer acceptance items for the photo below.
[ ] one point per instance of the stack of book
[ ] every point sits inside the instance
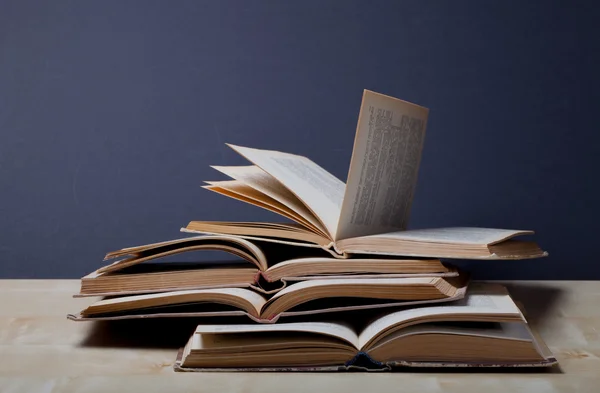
(346, 285)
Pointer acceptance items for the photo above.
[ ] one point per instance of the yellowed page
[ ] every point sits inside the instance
(384, 166)
(504, 330)
(261, 231)
(254, 177)
(480, 299)
(254, 254)
(241, 188)
(222, 295)
(454, 235)
(236, 345)
(305, 285)
(323, 268)
(238, 190)
(337, 330)
(137, 249)
(319, 190)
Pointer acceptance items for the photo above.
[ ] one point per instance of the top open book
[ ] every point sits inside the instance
(369, 214)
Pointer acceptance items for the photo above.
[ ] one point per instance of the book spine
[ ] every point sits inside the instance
(333, 250)
(363, 360)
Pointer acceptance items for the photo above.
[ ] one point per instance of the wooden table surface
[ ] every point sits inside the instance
(41, 351)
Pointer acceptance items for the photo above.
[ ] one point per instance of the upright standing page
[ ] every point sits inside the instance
(384, 166)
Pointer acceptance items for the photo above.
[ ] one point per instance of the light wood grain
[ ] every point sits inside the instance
(41, 351)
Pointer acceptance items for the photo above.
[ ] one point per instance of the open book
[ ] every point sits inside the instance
(141, 269)
(369, 214)
(486, 328)
(301, 298)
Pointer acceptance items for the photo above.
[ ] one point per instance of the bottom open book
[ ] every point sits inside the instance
(486, 328)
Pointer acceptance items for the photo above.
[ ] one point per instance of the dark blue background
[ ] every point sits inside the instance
(112, 111)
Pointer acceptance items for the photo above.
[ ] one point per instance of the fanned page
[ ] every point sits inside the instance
(242, 192)
(384, 166)
(319, 190)
(263, 231)
(254, 177)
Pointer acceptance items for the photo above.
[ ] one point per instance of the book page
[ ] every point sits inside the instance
(480, 299)
(319, 190)
(234, 245)
(372, 288)
(261, 181)
(455, 235)
(261, 344)
(503, 330)
(384, 166)
(337, 330)
(238, 190)
(246, 299)
(315, 286)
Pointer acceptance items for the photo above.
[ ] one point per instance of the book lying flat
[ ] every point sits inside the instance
(133, 272)
(486, 328)
(301, 298)
(367, 215)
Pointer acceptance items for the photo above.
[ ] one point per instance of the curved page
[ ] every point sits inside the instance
(337, 330)
(419, 288)
(233, 245)
(314, 266)
(504, 330)
(237, 190)
(482, 300)
(264, 231)
(318, 189)
(261, 181)
(244, 299)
